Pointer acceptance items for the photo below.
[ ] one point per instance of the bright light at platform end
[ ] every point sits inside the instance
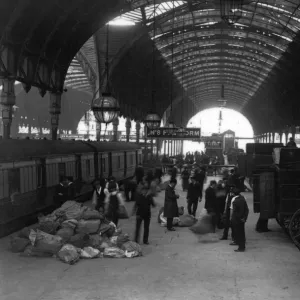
(121, 22)
(208, 120)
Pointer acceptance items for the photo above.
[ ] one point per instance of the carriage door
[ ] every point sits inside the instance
(78, 168)
(125, 164)
(109, 164)
(41, 182)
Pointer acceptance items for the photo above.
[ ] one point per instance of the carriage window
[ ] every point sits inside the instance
(119, 162)
(61, 169)
(132, 159)
(103, 165)
(88, 167)
(14, 181)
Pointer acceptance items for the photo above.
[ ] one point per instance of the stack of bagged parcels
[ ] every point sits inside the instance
(74, 231)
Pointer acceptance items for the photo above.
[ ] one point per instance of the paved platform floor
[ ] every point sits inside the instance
(174, 266)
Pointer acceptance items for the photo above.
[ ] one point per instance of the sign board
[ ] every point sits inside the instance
(175, 133)
(213, 144)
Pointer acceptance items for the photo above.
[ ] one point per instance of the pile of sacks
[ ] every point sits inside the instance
(74, 231)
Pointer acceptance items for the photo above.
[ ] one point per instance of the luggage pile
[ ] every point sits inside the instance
(72, 232)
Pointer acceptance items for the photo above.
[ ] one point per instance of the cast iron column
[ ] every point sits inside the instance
(137, 128)
(165, 148)
(7, 101)
(115, 129)
(151, 148)
(98, 131)
(182, 146)
(273, 137)
(145, 143)
(293, 129)
(128, 126)
(54, 109)
(280, 137)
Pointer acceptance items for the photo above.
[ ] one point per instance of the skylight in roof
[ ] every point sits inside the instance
(283, 37)
(208, 23)
(135, 16)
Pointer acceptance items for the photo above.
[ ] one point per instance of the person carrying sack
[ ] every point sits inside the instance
(114, 204)
(142, 209)
(99, 194)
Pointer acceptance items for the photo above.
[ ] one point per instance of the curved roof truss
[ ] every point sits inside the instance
(241, 55)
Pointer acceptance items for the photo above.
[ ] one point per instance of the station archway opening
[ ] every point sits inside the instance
(208, 121)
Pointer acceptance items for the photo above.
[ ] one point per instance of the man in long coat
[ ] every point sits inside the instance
(170, 206)
(211, 204)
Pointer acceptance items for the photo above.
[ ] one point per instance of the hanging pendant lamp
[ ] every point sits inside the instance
(106, 108)
(152, 119)
(171, 124)
(231, 10)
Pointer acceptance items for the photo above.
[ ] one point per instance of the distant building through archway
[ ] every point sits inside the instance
(208, 121)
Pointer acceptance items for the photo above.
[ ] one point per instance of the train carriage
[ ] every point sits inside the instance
(30, 170)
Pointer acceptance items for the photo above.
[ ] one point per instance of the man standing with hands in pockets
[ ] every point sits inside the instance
(239, 217)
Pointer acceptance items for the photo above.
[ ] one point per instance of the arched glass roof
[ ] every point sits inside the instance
(205, 53)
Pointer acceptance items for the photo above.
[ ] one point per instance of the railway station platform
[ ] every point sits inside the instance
(176, 265)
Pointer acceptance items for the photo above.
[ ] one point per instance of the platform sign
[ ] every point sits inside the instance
(175, 133)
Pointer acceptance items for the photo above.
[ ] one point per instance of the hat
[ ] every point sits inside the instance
(236, 190)
(193, 177)
(112, 186)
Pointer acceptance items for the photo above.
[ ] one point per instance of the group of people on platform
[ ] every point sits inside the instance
(223, 200)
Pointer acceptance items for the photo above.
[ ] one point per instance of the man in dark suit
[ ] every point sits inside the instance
(170, 206)
(239, 217)
(139, 173)
(193, 196)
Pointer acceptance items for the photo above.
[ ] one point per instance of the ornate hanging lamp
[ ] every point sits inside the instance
(231, 10)
(106, 108)
(152, 119)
